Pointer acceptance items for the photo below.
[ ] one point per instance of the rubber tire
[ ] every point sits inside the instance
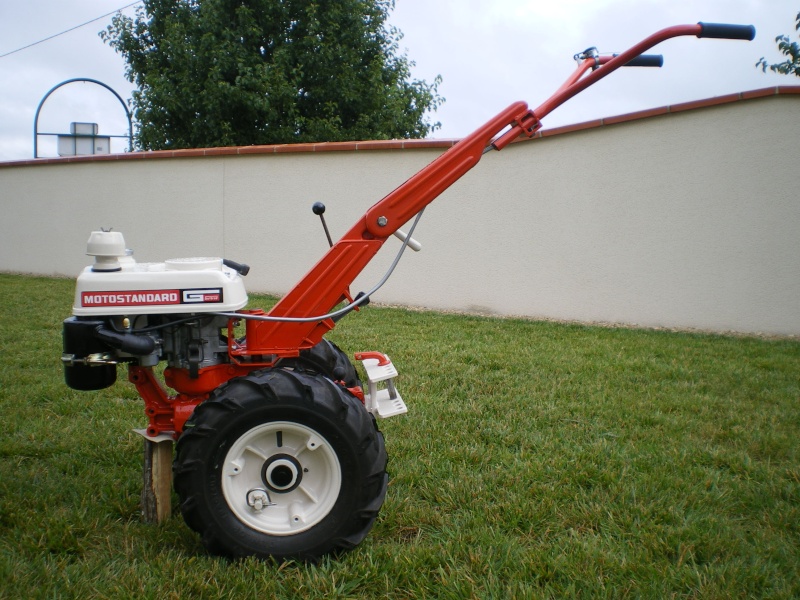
(326, 358)
(309, 399)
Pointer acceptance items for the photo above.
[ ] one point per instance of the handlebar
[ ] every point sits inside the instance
(577, 83)
(726, 31)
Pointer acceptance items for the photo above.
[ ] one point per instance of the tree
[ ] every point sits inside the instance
(240, 72)
(791, 66)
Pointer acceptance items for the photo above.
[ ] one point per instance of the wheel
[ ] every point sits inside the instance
(328, 359)
(280, 463)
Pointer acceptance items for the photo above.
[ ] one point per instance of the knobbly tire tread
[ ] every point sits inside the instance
(279, 394)
(326, 358)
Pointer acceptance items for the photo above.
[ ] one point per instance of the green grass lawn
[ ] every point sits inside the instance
(537, 460)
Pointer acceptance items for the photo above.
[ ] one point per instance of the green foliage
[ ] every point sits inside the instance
(240, 72)
(538, 460)
(791, 66)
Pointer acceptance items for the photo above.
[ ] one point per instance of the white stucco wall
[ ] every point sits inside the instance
(687, 220)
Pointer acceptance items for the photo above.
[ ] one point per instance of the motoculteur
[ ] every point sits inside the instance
(278, 452)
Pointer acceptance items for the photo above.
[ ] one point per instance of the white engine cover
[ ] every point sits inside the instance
(185, 285)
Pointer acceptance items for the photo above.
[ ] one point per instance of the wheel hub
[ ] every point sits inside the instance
(282, 473)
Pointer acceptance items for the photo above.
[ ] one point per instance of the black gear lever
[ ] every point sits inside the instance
(319, 209)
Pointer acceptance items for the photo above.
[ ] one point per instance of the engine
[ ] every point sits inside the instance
(145, 313)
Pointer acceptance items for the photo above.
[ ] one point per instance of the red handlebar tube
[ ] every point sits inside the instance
(616, 62)
(327, 283)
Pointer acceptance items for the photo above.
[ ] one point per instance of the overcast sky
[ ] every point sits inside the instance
(489, 54)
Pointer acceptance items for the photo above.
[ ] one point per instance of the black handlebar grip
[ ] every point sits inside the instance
(646, 60)
(727, 32)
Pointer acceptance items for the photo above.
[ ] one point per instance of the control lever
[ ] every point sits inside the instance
(318, 208)
(412, 243)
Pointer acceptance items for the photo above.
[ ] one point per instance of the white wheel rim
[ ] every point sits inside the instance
(302, 472)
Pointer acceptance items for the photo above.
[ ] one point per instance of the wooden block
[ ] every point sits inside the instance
(157, 479)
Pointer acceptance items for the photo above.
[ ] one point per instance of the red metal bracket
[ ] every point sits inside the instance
(166, 414)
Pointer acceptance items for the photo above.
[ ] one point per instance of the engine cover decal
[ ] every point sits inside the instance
(151, 297)
(206, 296)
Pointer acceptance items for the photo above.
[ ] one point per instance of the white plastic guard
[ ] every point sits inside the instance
(385, 401)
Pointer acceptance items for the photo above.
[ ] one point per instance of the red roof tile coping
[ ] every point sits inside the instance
(665, 110)
(407, 144)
